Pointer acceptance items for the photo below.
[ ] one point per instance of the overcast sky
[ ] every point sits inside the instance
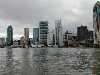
(27, 13)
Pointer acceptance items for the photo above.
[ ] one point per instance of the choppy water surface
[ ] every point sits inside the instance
(51, 61)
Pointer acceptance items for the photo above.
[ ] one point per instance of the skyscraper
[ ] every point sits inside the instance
(26, 35)
(9, 39)
(96, 22)
(43, 32)
(35, 36)
(58, 33)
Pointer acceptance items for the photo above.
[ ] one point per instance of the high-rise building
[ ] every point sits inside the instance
(82, 33)
(35, 36)
(58, 33)
(43, 32)
(9, 39)
(26, 35)
(96, 22)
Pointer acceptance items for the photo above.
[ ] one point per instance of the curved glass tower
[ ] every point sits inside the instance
(96, 23)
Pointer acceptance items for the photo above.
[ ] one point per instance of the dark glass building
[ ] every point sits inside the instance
(9, 39)
(82, 33)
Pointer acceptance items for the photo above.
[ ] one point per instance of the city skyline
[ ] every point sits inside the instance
(72, 15)
(49, 37)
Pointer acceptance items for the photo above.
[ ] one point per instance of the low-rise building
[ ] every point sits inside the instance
(22, 42)
(84, 35)
(15, 43)
(2, 42)
(67, 38)
(70, 40)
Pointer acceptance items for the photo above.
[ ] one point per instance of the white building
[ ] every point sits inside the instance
(96, 22)
(50, 38)
(59, 33)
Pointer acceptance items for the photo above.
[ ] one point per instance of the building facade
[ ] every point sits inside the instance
(43, 32)
(2, 42)
(22, 42)
(35, 36)
(26, 35)
(15, 43)
(82, 33)
(58, 33)
(50, 38)
(96, 23)
(9, 39)
(67, 38)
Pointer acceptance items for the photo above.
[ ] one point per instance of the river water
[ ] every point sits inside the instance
(49, 61)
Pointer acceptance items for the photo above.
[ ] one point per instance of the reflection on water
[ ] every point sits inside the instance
(52, 61)
(9, 62)
(96, 66)
(41, 62)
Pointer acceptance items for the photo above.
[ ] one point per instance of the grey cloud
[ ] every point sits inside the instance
(23, 12)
